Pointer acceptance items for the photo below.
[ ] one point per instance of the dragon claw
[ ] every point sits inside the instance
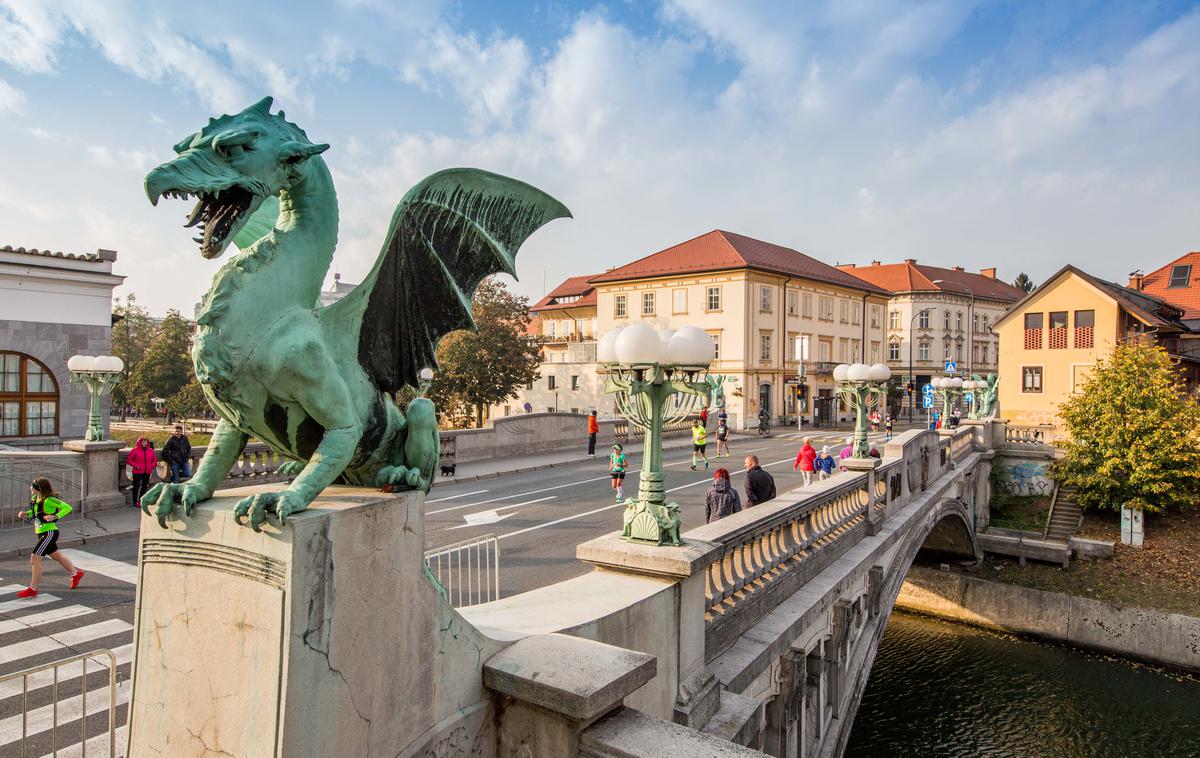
(164, 495)
(257, 507)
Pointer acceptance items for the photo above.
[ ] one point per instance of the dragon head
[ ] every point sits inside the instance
(230, 166)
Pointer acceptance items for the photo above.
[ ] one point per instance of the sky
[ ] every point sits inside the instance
(1021, 135)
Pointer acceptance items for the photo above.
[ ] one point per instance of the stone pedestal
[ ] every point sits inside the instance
(322, 638)
(101, 472)
(869, 465)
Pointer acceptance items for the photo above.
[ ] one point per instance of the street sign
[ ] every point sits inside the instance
(927, 401)
(951, 367)
(968, 397)
(927, 389)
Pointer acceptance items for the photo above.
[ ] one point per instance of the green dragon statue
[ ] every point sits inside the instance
(314, 382)
(985, 403)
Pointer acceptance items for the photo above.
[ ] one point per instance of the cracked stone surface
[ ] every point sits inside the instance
(355, 655)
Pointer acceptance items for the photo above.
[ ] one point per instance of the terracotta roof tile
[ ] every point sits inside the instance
(99, 255)
(720, 251)
(575, 286)
(1185, 298)
(914, 277)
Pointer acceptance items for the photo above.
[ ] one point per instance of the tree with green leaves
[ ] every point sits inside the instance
(1135, 435)
(478, 369)
(189, 401)
(1023, 282)
(133, 331)
(166, 367)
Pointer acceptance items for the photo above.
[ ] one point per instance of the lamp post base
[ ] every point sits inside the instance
(648, 518)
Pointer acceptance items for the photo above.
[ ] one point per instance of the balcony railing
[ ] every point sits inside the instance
(820, 367)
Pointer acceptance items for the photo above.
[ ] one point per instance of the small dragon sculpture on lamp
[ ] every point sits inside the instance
(316, 383)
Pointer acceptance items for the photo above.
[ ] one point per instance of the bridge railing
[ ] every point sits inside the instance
(258, 464)
(1028, 434)
(18, 468)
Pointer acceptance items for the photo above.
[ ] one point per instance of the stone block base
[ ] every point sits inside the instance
(321, 638)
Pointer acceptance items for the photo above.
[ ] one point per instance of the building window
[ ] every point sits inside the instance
(1180, 276)
(28, 397)
(826, 308)
(551, 328)
(619, 306)
(874, 316)
(923, 319)
(975, 323)
(893, 351)
(679, 301)
(1033, 331)
(647, 303)
(958, 321)
(855, 314)
(764, 347)
(550, 383)
(874, 352)
(803, 340)
(764, 299)
(946, 321)
(790, 347)
(716, 336)
(923, 350)
(1085, 329)
(1031, 380)
(807, 312)
(893, 319)
(1058, 330)
(712, 299)
(985, 323)
(793, 303)
(574, 382)
(946, 349)
(845, 311)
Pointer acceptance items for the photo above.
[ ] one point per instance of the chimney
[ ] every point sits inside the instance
(1136, 279)
(959, 268)
(106, 255)
(911, 261)
(990, 273)
(874, 263)
(849, 265)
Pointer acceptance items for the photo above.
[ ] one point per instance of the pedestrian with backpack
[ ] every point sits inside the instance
(45, 511)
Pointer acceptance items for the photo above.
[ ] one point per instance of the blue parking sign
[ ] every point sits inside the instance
(927, 401)
(951, 367)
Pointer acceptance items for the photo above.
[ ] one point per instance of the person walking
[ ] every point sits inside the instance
(178, 455)
(804, 460)
(825, 464)
(593, 431)
(704, 416)
(722, 499)
(45, 510)
(847, 451)
(616, 469)
(887, 428)
(760, 486)
(142, 462)
(699, 443)
(875, 419)
(722, 436)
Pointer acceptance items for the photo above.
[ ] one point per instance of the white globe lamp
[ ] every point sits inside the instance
(81, 363)
(606, 348)
(639, 344)
(880, 373)
(840, 372)
(109, 364)
(691, 346)
(858, 372)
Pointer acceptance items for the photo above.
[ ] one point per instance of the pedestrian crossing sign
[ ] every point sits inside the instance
(951, 367)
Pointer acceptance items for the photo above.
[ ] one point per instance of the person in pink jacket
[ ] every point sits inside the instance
(142, 462)
(804, 460)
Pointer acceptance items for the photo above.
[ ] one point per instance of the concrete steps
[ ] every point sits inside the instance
(1065, 519)
(740, 720)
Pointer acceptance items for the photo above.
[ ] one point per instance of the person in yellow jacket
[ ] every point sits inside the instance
(699, 443)
(45, 510)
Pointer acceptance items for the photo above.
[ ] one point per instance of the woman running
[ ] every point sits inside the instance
(45, 510)
(616, 468)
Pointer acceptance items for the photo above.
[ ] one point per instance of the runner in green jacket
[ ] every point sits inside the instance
(699, 443)
(45, 510)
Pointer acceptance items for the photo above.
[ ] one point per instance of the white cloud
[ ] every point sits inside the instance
(31, 31)
(11, 98)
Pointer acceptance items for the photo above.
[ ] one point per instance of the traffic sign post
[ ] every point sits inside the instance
(927, 401)
(951, 367)
(927, 389)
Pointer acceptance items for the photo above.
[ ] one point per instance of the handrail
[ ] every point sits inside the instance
(26, 675)
(468, 570)
(1050, 513)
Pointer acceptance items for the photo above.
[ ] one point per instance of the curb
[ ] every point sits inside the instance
(91, 539)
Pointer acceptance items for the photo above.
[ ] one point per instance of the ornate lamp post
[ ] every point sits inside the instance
(951, 387)
(861, 387)
(99, 374)
(970, 387)
(645, 370)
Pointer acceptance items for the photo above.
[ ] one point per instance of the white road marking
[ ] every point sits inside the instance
(518, 494)
(69, 709)
(8, 606)
(492, 515)
(98, 564)
(455, 497)
(97, 745)
(8, 626)
(67, 672)
(62, 640)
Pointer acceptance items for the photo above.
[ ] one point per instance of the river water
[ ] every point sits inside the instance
(942, 689)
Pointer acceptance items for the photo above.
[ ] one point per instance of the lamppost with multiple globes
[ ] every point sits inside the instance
(646, 369)
(99, 373)
(861, 387)
(971, 388)
(950, 387)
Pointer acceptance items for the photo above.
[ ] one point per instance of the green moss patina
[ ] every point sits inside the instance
(315, 382)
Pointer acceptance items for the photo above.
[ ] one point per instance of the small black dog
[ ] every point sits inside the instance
(448, 469)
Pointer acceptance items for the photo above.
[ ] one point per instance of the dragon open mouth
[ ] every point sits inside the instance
(219, 214)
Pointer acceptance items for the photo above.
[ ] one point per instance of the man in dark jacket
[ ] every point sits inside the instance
(760, 486)
(178, 455)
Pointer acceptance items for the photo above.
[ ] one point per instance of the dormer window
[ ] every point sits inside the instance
(1180, 276)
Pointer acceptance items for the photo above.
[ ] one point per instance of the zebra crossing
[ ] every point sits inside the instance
(50, 711)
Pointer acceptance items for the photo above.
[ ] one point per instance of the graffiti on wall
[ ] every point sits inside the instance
(1023, 477)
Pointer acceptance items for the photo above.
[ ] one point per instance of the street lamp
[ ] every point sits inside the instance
(99, 373)
(646, 368)
(951, 387)
(970, 387)
(861, 386)
(970, 323)
(912, 379)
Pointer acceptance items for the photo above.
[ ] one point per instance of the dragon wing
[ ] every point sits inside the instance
(450, 231)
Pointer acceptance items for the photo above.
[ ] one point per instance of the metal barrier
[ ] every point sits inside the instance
(18, 468)
(468, 570)
(48, 674)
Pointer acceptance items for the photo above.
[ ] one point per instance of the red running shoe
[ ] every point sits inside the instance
(75, 579)
(27, 592)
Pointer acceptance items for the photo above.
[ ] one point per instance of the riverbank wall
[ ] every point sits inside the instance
(1169, 639)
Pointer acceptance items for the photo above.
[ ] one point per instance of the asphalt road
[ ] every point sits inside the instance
(540, 516)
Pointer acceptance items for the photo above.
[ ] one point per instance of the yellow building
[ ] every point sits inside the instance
(781, 320)
(1050, 340)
